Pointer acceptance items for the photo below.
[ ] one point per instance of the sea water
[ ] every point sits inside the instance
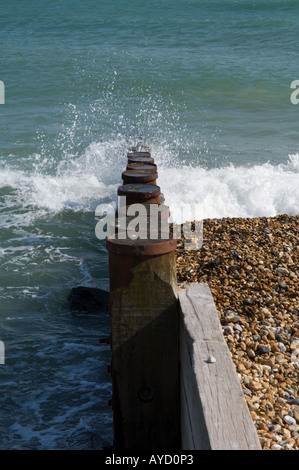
(206, 84)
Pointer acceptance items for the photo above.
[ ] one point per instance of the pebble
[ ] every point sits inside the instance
(253, 385)
(264, 349)
(232, 317)
(281, 347)
(238, 327)
(289, 420)
(282, 271)
(252, 268)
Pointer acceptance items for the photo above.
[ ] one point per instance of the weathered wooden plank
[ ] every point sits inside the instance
(214, 411)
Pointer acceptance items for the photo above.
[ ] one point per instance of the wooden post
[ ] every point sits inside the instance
(144, 312)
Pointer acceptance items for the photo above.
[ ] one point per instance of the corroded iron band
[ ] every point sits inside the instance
(139, 192)
(140, 247)
(141, 166)
(162, 212)
(139, 154)
(139, 176)
(132, 159)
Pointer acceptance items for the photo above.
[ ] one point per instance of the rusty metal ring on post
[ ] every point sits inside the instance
(141, 166)
(140, 192)
(141, 247)
(139, 154)
(139, 176)
(163, 212)
(138, 159)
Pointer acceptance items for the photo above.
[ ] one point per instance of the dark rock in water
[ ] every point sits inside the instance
(88, 300)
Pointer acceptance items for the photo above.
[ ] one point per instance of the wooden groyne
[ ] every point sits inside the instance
(173, 381)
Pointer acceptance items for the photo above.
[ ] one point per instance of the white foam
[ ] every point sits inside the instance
(93, 178)
(231, 191)
(78, 184)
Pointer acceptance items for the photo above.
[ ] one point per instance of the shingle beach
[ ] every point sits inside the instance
(252, 268)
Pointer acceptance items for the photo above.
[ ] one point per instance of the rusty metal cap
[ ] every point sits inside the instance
(140, 247)
(132, 159)
(139, 176)
(141, 166)
(152, 210)
(139, 191)
(139, 154)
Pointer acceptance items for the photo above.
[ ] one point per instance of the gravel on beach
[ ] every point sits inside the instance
(252, 268)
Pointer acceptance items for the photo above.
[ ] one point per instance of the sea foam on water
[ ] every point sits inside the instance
(232, 191)
(192, 191)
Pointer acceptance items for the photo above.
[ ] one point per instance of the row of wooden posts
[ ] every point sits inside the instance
(168, 395)
(167, 392)
(144, 315)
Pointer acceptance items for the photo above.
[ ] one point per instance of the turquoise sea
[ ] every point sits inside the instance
(206, 84)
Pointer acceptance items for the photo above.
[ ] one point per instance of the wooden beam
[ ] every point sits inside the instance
(214, 413)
